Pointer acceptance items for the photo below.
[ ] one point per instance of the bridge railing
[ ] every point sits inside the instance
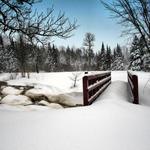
(94, 85)
(133, 85)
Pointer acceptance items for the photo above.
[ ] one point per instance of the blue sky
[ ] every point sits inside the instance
(91, 17)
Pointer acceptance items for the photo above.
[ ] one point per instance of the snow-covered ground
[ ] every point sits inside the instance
(110, 123)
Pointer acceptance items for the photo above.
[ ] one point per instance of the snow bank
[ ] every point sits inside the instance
(144, 88)
(116, 91)
(16, 100)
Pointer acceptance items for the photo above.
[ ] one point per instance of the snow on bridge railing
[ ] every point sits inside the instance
(94, 85)
(133, 85)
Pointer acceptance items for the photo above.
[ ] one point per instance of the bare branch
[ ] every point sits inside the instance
(134, 15)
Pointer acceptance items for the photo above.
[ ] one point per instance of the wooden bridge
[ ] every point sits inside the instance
(95, 84)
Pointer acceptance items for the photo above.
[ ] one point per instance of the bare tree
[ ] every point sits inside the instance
(17, 17)
(13, 12)
(75, 78)
(89, 43)
(134, 15)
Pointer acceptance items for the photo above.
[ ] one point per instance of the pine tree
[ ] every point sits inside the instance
(50, 57)
(146, 62)
(118, 59)
(68, 56)
(103, 58)
(98, 61)
(145, 55)
(39, 58)
(53, 57)
(22, 52)
(136, 61)
(8, 63)
(79, 61)
(108, 58)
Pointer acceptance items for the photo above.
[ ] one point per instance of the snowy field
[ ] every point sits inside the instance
(110, 123)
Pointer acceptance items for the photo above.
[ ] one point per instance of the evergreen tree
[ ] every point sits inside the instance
(108, 58)
(103, 58)
(1, 54)
(56, 58)
(145, 55)
(98, 60)
(8, 63)
(118, 51)
(118, 59)
(146, 62)
(79, 61)
(39, 58)
(136, 61)
(22, 52)
(68, 56)
(52, 57)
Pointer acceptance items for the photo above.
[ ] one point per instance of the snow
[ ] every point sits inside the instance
(56, 83)
(4, 76)
(52, 105)
(11, 90)
(16, 100)
(62, 99)
(36, 93)
(144, 88)
(110, 123)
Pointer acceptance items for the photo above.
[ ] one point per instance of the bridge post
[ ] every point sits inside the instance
(135, 90)
(85, 91)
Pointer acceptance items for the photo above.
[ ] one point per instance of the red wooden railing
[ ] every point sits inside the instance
(94, 85)
(133, 85)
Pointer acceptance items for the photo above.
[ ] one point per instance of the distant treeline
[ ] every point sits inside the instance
(21, 56)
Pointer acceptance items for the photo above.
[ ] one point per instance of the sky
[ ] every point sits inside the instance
(91, 17)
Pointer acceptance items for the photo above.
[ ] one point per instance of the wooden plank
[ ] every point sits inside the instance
(98, 93)
(99, 83)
